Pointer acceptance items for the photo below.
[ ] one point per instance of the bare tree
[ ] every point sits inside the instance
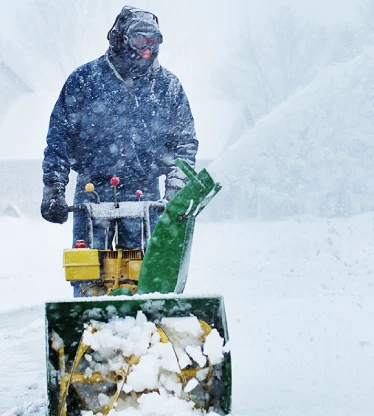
(264, 70)
(67, 33)
(366, 13)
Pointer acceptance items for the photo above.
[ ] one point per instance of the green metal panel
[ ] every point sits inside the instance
(68, 319)
(166, 260)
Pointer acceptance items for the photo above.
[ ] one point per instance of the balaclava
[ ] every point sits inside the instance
(126, 60)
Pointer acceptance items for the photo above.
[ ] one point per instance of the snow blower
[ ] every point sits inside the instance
(135, 342)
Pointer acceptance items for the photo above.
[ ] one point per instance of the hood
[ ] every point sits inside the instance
(126, 60)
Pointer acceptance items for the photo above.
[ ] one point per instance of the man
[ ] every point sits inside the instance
(121, 115)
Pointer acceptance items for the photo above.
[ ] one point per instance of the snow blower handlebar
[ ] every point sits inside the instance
(106, 211)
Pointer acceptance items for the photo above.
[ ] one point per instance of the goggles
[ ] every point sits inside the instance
(141, 41)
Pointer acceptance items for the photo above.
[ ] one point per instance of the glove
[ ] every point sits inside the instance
(54, 207)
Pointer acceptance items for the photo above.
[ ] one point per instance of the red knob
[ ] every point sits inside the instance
(80, 244)
(114, 181)
(139, 193)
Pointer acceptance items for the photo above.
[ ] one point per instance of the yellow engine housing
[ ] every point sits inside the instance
(111, 268)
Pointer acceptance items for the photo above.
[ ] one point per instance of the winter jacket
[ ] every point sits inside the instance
(103, 125)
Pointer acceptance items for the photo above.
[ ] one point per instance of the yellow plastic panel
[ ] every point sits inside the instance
(81, 264)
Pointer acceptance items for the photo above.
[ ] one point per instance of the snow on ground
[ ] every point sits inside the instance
(299, 298)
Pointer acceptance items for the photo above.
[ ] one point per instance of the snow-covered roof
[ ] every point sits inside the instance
(7, 73)
(23, 130)
(214, 120)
